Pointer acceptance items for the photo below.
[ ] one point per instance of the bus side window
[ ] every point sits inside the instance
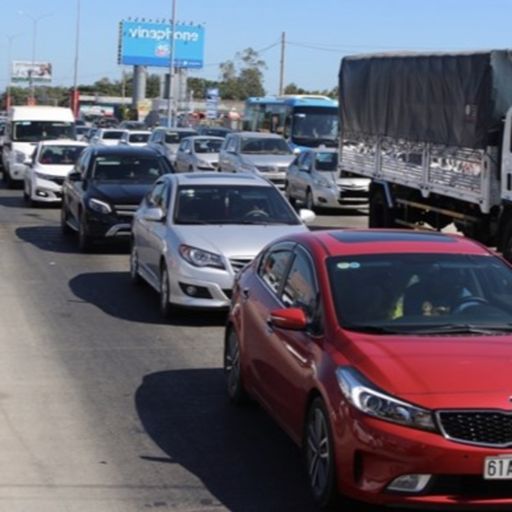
(287, 127)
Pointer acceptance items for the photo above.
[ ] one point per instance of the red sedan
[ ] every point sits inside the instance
(387, 356)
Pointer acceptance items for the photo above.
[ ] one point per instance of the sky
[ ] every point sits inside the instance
(318, 32)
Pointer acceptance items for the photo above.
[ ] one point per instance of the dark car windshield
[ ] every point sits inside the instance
(175, 137)
(143, 169)
(207, 146)
(113, 134)
(326, 161)
(33, 131)
(260, 145)
(422, 293)
(138, 138)
(60, 155)
(231, 204)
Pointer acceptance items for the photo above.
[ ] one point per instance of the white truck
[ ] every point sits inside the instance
(25, 127)
(434, 134)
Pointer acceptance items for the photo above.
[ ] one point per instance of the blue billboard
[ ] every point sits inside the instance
(149, 44)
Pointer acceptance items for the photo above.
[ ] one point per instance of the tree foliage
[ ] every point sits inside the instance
(293, 88)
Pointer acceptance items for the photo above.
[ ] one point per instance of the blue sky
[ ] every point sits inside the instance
(320, 32)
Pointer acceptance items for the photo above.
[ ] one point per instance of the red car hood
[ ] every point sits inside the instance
(438, 372)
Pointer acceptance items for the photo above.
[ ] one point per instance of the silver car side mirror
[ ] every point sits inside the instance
(154, 214)
(307, 216)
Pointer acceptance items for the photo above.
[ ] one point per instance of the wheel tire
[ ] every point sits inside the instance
(64, 227)
(134, 266)
(84, 240)
(232, 369)
(8, 180)
(288, 195)
(26, 195)
(318, 450)
(190, 169)
(309, 203)
(380, 215)
(165, 293)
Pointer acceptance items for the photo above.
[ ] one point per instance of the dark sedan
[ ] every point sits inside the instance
(104, 189)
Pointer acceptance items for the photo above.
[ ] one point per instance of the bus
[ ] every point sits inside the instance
(305, 121)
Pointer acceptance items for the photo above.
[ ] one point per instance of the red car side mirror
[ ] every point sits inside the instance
(289, 318)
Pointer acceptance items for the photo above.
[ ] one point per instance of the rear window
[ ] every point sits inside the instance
(60, 155)
(112, 135)
(138, 138)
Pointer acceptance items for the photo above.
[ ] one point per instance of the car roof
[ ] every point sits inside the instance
(343, 242)
(175, 130)
(220, 178)
(204, 137)
(62, 142)
(123, 150)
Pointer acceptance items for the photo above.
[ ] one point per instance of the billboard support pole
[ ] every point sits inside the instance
(170, 110)
(76, 95)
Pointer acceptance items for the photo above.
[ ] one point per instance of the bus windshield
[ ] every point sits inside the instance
(33, 131)
(314, 124)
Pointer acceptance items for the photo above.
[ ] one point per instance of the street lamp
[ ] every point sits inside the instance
(35, 21)
(76, 97)
(170, 113)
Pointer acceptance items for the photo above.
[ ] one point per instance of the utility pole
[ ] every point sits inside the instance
(170, 112)
(8, 99)
(281, 72)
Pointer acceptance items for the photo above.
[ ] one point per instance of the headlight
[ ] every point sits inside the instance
(368, 399)
(43, 176)
(322, 182)
(99, 206)
(201, 164)
(20, 157)
(200, 258)
(249, 168)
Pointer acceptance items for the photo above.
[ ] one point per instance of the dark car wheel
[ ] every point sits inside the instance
(85, 241)
(165, 293)
(288, 195)
(310, 203)
(319, 455)
(134, 266)
(232, 368)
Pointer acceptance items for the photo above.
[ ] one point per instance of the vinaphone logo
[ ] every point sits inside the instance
(141, 32)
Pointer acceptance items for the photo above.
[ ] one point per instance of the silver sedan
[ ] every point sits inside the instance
(200, 153)
(194, 232)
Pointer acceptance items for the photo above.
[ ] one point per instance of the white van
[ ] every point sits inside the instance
(26, 126)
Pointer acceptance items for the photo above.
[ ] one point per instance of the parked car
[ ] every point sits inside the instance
(167, 140)
(385, 354)
(194, 232)
(81, 132)
(132, 125)
(213, 131)
(137, 138)
(107, 136)
(266, 154)
(198, 154)
(50, 164)
(313, 178)
(102, 193)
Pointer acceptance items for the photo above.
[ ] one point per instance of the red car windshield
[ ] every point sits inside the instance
(422, 293)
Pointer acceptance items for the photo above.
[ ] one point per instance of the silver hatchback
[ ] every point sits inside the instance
(194, 232)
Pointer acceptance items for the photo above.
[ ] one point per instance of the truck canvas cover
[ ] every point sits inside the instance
(444, 98)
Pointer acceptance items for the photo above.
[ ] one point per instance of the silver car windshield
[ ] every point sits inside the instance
(326, 162)
(260, 145)
(232, 204)
(422, 293)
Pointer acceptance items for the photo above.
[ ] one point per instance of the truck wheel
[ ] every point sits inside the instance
(380, 214)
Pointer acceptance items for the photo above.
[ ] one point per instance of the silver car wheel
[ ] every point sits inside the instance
(232, 368)
(165, 307)
(134, 266)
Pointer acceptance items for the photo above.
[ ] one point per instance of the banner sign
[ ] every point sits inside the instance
(149, 44)
(22, 71)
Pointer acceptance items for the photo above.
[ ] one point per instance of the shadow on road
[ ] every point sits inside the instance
(239, 454)
(50, 238)
(114, 294)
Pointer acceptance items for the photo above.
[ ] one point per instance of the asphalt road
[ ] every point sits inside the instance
(105, 407)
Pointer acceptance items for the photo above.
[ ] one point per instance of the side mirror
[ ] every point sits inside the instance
(307, 216)
(74, 176)
(293, 319)
(296, 151)
(154, 214)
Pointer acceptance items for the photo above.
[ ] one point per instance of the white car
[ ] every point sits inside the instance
(313, 179)
(194, 232)
(136, 138)
(107, 137)
(50, 164)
